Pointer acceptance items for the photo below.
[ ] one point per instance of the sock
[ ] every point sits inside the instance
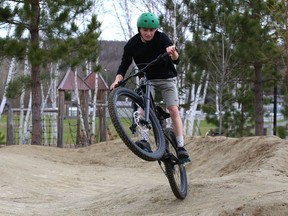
(180, 141)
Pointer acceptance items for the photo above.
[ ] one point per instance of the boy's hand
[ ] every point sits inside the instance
(172, 51)
(116, 81)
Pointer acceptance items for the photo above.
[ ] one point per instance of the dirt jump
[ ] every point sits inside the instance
(227, 176)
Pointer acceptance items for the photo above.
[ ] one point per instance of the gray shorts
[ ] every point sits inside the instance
(168, 89)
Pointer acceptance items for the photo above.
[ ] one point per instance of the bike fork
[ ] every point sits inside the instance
(145, 121)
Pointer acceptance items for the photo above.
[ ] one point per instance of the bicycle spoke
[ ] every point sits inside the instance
(126, 111)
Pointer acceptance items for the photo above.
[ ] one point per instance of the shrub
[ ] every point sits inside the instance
(2, 138)
(282, 132)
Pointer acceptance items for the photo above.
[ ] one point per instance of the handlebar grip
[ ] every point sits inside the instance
(120, 83)
(161, 57)
(164, 55)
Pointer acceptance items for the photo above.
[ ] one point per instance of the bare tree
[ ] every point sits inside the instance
(93, 125)
(221, 75)
(124, 23)
(84, 130)
(21, 129)
(10, 76)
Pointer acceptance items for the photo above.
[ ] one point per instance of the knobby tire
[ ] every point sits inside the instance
(175, 171)
(122, 104)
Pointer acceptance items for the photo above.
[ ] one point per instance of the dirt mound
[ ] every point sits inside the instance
(247, 176)
(225, 156)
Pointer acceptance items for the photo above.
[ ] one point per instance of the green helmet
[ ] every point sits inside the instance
(147, 20)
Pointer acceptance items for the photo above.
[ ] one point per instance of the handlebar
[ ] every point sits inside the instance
(156, 60)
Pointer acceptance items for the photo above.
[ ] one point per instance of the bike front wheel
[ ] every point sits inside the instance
(174, 169)
(126, 109)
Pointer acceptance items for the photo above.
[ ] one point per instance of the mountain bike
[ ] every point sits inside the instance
(138, 121)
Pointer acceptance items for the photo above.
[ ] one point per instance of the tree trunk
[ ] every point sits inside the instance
(35, 74)
(53, 98)
(286, 45)
(197, 99)
(83, 133)
(21, 131)
(93, 128)
(27, 121)
(10, 76)
(44, 122)
(258, 100)
(36, 107)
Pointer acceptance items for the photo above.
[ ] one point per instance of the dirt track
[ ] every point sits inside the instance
(247, 176)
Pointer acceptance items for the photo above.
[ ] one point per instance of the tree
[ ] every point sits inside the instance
(279, 11)
(249, 27)
(176, 19)
(59, 24)
(125, 24)
(258, 48)
(221, 64)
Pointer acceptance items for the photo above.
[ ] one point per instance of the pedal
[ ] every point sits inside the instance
(167, 156)
(184, 160)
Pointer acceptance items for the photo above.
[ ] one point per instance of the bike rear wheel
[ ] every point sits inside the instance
(126, 112)
(174, 170)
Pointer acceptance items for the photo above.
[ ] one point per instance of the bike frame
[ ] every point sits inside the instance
(147, 98)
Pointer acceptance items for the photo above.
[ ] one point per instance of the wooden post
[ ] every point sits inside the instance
(78, 134)
(103, 118)
(10, 129)
(102, 123)
(60, 130)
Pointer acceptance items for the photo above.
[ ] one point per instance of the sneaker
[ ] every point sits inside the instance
(182, 153)
(143, 144)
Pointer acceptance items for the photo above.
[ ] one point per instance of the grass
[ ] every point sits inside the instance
(205, 127)
(70, 129)
(3, 126)
(69, 134)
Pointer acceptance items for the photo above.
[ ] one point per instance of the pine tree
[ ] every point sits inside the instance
(279, 11)
(47, 31)
(248, 26)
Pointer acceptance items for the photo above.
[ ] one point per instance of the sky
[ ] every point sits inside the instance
(110, 28)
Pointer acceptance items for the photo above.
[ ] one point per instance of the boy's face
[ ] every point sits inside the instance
(147, 33)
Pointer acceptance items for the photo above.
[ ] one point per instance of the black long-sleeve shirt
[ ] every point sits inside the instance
(143, 53)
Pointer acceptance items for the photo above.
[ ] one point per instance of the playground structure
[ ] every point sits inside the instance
(66, 88)
(84, 87)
